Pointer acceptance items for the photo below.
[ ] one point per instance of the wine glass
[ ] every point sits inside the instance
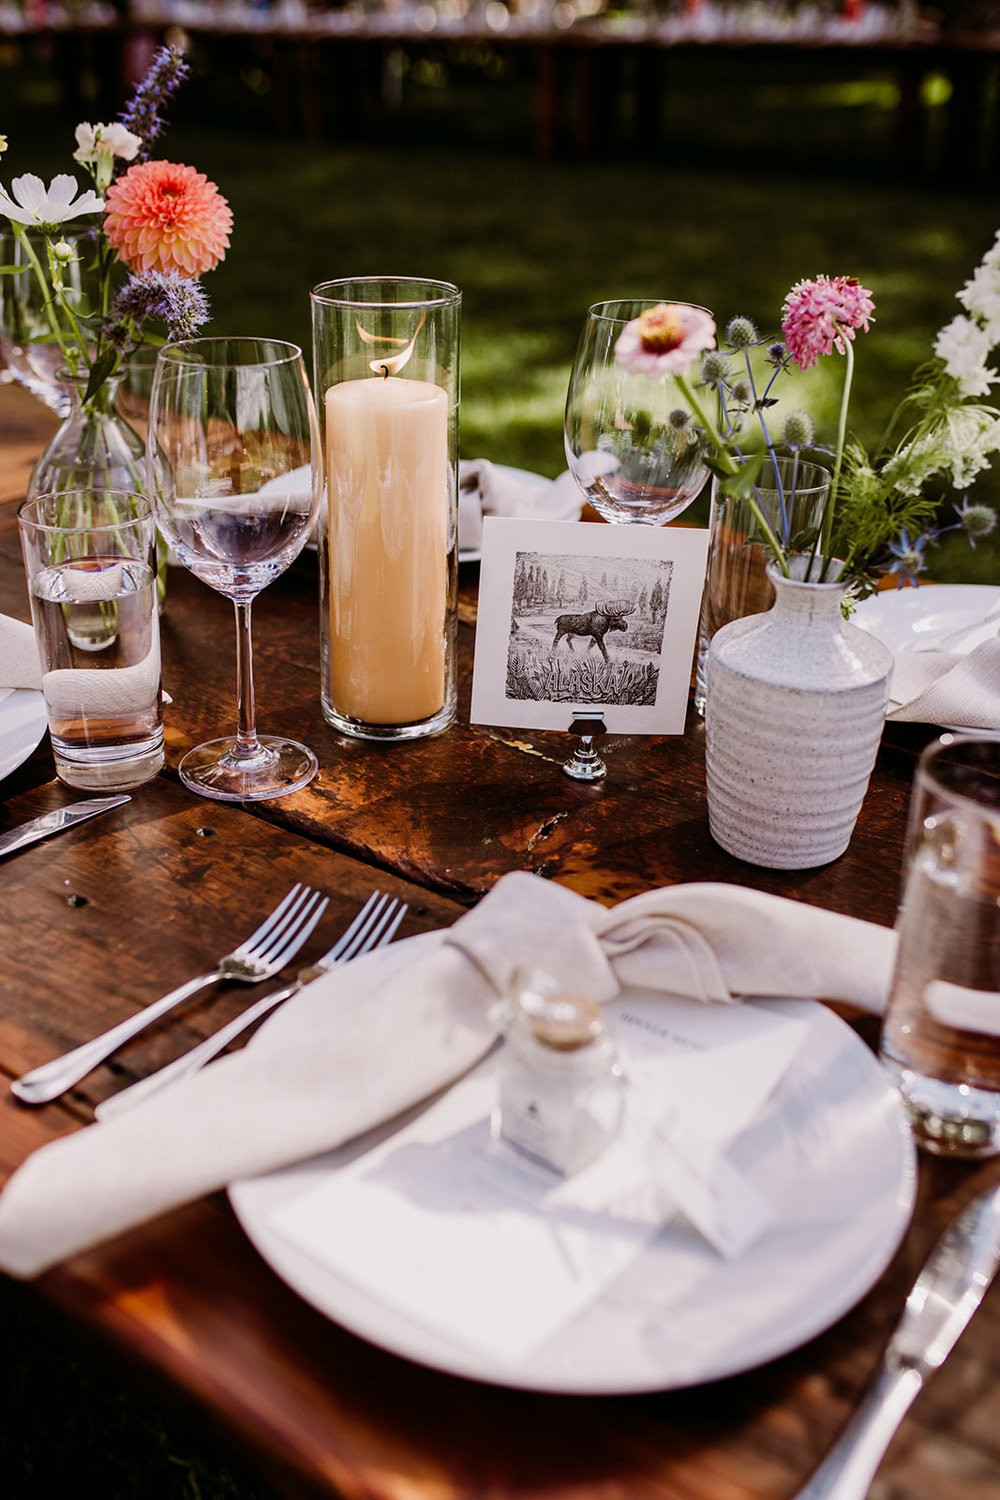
(233, 461)
(631, 441)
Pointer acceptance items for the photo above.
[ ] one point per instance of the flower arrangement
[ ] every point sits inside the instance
(164, 225)
(881, 510)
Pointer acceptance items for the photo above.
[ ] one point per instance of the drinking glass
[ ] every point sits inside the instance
(90, 560)
(632, 457)
(232, 454)
(941, 1035)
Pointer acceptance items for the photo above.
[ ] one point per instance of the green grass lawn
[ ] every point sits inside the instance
(761, 180)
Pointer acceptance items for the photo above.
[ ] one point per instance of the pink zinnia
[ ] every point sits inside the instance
(165, 217)
(666, 339)
(819, 315)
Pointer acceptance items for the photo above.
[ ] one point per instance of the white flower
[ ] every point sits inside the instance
(981, 298)
(96, 141)
(32, 203)
(964, 346)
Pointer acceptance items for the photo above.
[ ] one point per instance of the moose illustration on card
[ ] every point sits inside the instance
(587, 629)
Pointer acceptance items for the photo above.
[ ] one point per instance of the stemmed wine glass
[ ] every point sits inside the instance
(235, 478)
(631, 442)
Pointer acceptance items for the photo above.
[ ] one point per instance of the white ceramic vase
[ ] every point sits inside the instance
(795, 710)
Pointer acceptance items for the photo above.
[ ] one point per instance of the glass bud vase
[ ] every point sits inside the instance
(96, 449)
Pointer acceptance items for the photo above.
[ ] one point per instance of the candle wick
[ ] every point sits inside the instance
(385, 372)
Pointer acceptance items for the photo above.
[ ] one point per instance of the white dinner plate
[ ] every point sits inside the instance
(832, 1149)
(920, 619)
(22, 725)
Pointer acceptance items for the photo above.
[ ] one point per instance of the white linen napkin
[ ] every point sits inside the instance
(939, 687)
(487, 489)
(19, 663)
(289, 1096)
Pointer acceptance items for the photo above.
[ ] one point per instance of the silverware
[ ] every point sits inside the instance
(944, 1297)
(963, 633)
(265, 952)
(374, 926)
(54, 822)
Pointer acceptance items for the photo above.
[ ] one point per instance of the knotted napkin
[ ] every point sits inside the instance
(939, 687)
(486, 489)
(290, 1095)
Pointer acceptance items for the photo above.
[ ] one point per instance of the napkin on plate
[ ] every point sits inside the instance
(19, 663)
(939, 687)
(487, 489)
(291, 1096)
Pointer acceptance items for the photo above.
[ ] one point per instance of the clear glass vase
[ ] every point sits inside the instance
(95, 449)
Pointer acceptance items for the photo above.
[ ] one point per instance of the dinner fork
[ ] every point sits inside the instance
(374, 926)
(265, 952)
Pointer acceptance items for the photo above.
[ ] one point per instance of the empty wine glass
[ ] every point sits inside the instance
(233, 457)
(631, 441)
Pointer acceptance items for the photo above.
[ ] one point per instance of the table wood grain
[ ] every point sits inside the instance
(110, 915)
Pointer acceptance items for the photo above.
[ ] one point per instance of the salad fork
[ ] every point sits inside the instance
(265, 952)
(374, 926)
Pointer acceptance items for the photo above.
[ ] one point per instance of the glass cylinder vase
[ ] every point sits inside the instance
(386, 357)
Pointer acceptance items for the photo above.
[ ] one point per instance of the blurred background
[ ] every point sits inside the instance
(543, 156)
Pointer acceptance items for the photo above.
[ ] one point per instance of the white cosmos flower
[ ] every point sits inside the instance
(964, 346)
(95, 141)
(981, 297)
(31, 202)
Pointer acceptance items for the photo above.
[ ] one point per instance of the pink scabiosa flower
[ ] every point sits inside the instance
(819, 315)
(666, 339)
(164, 217)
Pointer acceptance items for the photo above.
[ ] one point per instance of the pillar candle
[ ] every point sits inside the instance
(388, 485)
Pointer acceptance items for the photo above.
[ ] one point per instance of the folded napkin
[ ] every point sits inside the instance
(486, 489)
(19, 663)
(938, 687)
(291, 1096)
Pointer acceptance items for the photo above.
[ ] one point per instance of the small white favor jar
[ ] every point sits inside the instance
(560, 1098)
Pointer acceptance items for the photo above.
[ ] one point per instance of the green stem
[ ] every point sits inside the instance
(47, 303)
(732, 468)
(826, 530)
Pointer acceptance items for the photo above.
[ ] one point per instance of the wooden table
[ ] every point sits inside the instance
(108, 916)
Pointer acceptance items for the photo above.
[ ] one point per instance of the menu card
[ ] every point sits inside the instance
(458, 1233)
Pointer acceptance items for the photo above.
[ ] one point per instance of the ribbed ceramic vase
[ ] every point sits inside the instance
(796, 706)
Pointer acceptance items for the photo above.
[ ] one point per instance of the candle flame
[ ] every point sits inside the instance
(391, 364)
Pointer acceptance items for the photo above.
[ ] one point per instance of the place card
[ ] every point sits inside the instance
(574, 617)
(465, 1238)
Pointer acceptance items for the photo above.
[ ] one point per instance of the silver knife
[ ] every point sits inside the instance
(944, 1297)
(54, 822)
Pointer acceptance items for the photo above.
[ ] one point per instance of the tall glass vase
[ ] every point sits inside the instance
(95, 449)
(386, 359)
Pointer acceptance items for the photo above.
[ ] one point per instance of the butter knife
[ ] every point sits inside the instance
(54, 822)
(943, 1299)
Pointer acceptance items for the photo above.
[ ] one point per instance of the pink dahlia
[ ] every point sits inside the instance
(818, 316)
(666, 339)
(164, 217)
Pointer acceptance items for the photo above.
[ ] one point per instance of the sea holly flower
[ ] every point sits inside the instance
(36, 206)
(976, 521)
(162, 216)
(741, 333)
(822, 315)
(714, 368)
(909, 559)
(799, 431)
(666, 339)
(98, 146)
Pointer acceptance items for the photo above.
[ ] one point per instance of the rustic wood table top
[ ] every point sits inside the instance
(107, 917)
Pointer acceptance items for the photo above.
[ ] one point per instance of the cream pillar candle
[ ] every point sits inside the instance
(388, 482)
